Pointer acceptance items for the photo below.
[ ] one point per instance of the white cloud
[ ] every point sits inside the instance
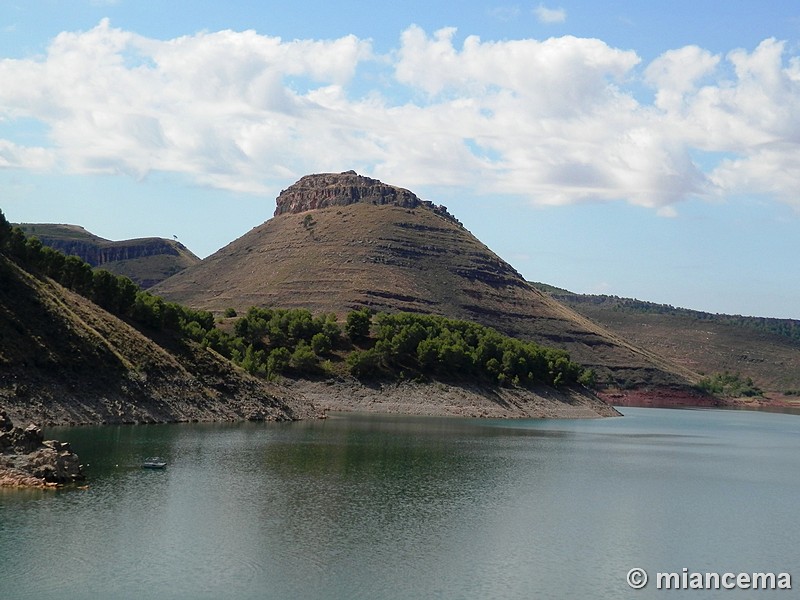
(35, 159)
(550, 15)
(675, 74)
(117, 102)
(553, 120)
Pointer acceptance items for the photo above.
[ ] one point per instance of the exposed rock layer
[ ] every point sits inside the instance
(324, 190)
(146, 261)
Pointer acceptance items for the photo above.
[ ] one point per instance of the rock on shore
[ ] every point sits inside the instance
(28, 460)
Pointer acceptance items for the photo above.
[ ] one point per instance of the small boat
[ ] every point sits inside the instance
(154, 462)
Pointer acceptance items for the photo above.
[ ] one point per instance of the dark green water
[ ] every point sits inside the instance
(392, 507)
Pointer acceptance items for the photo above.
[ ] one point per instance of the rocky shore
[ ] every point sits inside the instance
(28, 460)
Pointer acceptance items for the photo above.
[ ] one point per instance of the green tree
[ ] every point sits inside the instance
(77, 275)
(5, 231)
(358, 324)
(321, 344)
(364, 363)
(278, 361)
(303, 358)
(253, 361)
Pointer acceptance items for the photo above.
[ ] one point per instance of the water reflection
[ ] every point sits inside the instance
(399, 507)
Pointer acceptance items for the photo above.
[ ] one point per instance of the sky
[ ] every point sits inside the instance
(640, 149)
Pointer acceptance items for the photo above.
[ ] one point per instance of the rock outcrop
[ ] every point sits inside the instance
(146, 261)
(28, 460)
(323, 190)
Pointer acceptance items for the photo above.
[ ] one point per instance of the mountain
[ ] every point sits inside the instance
(763, 349)
(64, 360)
(338, 242)
(146, 261)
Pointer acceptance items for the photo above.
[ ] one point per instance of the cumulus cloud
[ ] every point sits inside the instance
(217, 106)
(554, 120)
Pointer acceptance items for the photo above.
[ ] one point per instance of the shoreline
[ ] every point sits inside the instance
(687, 398)
(448, 399)
(312, 399)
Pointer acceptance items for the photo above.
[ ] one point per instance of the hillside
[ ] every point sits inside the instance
(65, 360)
(85, 346)
(146, 261)
(766, 350)
(339, 242)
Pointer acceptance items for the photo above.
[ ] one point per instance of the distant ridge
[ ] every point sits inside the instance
(146, 261)
(764, 349)
(342, 241)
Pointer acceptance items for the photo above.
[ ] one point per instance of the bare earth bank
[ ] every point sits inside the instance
(441, 399)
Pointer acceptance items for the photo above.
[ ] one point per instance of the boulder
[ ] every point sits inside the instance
(32, 438)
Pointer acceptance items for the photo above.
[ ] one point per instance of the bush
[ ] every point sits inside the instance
(729, 385)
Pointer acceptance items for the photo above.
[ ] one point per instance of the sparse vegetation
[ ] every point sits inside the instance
(146, 261)
(788, 328)
(763, 349)
(729, 385)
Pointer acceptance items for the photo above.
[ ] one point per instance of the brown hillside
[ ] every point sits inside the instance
(703, 342)
(65, 360)
(146, 261)
(340, 242)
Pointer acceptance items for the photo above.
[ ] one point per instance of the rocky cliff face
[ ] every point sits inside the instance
(323, 190)
(99, 255)
(147, 261)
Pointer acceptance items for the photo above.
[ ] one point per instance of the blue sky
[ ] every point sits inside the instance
(642, 149)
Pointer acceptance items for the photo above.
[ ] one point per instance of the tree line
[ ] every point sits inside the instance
(410, 344)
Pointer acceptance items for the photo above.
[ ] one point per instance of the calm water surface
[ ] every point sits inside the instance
(400, 507)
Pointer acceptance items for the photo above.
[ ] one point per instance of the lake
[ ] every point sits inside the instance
(384, 507)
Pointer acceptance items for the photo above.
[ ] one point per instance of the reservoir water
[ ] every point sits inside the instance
(384, 507)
